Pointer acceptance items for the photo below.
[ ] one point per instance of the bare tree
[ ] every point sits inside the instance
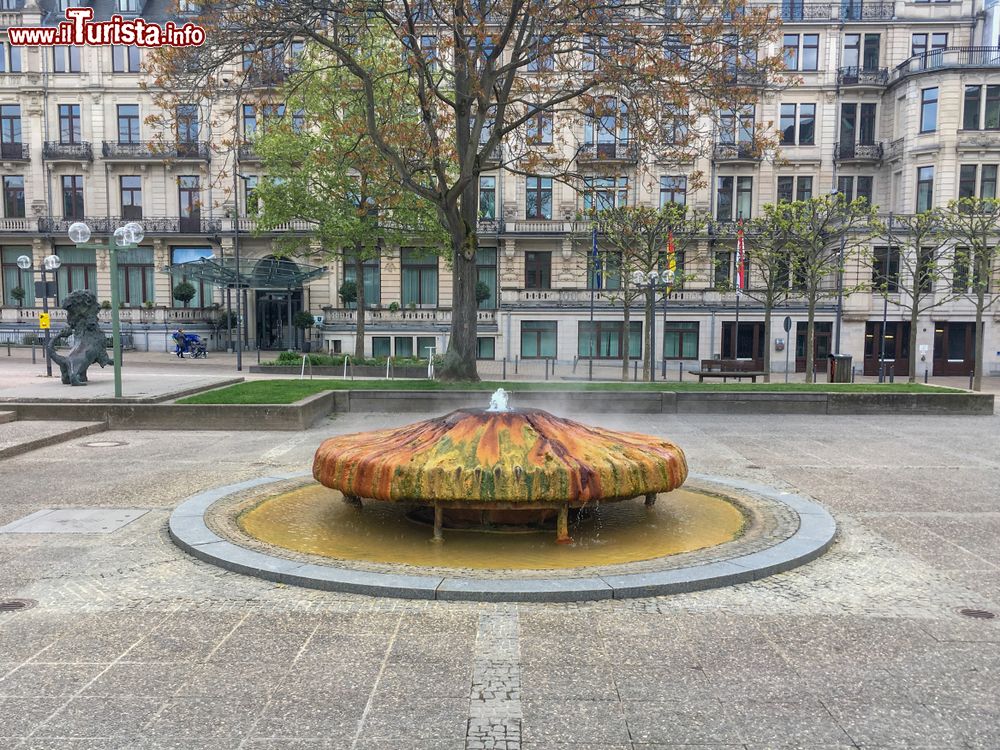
(974, 227)
(491, 81)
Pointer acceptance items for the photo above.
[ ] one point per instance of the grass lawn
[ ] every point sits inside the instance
(289, 391)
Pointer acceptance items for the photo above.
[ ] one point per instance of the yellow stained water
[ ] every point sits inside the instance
(314, 519)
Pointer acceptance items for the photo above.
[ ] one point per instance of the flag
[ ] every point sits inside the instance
(741, 260)
(596, 261)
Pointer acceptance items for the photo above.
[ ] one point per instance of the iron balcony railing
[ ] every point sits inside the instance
(845, 10)
(15, 152)
(247, 152)
(736, 152)
(617, 151)
(152, 225)
(156, 150)
(858, 151)
(854, 76)
(81, 151)
(949, 57)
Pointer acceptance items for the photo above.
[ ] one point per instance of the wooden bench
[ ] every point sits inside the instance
(729, 368)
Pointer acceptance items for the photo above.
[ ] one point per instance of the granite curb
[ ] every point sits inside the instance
(816, 532)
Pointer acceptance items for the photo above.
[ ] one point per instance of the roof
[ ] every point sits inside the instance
(252, 273)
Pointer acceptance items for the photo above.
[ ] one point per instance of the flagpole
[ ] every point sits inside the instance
(592, 284)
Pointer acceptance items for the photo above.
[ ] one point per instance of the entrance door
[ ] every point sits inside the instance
(822, 345)
(897, 347)
(273, 315)
(749, 343)
(954, 348)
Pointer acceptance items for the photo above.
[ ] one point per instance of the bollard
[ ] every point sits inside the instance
(852, 373)
(664, 368)
(892, 373)
(516, 360)
(546, 368)
(258, 355)
(680, 372)
(504, 368)
(635, 371)
(553, 368)
(33, 355)
(971, 376)
(925, 375)
(8, 348)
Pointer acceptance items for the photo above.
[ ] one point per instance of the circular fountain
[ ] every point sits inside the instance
(498, 481)
(499, 468)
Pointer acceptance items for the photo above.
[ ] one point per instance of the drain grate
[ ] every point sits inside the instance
(977, 614)
(104, 444)
(13, 605)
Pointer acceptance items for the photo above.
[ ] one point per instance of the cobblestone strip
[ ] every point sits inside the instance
(495, 700)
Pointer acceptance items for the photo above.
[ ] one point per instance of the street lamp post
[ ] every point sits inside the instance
(123, 237)
(49, 263)
(651, 281)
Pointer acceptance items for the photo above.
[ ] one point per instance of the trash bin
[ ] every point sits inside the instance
(840, 368)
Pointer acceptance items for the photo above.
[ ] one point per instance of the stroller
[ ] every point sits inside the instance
(189, 343)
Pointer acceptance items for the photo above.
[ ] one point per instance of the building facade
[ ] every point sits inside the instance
(897, 101)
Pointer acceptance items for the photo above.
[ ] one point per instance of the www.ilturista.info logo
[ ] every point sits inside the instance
(78, 29)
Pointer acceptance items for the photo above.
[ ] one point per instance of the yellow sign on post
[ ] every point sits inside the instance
(44, 321)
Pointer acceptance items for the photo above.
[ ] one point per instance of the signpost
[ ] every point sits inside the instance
(44, 321)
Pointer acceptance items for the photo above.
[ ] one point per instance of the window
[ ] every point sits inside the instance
(861, 58)
(135, 276)
(727, 200)
(676, 48)
(371, 270)
(131, 193)
(737, 126)
(381, 347)
(925, 188)
(189, 201)
(603, 339)
(925, 46)
(14, 278)
(675, 125)
(801, 52)
(794, 188)
(249, 121)
(428, 51)
(606, 127)
(680, 340)
(251, 201)
(846, 186)
(403, 346)
(298, 120)
(78, 271)
(970, 107)
(991, 116)
(601, 193)
(188, 6)
(537, 270)
(722, 261)
(11, 146)
(420, 277)
(13, 196)
(66, 59)
(486, 273)
(542, 59)
(538, 198)
(538, 339)
(128, 6)
(673, 189)
(885, 269)
(72, 193)
(10, 58)
(188, 127)
(426, 346)
(967, 273)
(69, 123)
(125, 59)
(987, 183)
(539, 128)
(928, 109)
(128, 123)
(203, 289)
(798, 124)
(488, 198)
(486, 347)
(605, 272)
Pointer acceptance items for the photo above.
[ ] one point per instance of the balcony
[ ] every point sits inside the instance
(621, 151)
(18, 225)
(488, 226)
(247, 152)
(56, 151)
(872, 77)
(153, 226)
(845, 10)
(248, 225)
(416, 318)
(735, 152)
(857, 152)
(895, 149)
(155, 150)
(269, 75)
(14, 152)
(545, 227)
(950, 57)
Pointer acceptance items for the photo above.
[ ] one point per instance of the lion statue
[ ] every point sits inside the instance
(89, 342)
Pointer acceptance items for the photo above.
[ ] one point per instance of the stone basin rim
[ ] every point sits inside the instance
(815, 534)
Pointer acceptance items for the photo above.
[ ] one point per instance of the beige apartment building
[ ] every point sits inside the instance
(899, 101)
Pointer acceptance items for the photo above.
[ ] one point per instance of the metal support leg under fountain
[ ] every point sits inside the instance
(353, 500)
(562, 526)
(438, 523)
(650, 499)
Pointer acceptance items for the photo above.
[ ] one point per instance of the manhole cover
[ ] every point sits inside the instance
(103, 444)
(977, 614)
(13, 605)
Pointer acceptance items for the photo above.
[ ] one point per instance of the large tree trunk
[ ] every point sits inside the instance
(648, 364)
(767, 341)
(811, 339)
(914, 310)
(977, 380)
(359, 282)
(460, 359)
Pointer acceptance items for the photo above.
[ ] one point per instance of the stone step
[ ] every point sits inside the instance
(8, 416)
(23, 436)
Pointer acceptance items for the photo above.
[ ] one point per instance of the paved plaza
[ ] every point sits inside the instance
(133, 644)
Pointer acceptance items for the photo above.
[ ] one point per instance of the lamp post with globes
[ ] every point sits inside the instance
(651, 281)
(49, 263)
(123, 237)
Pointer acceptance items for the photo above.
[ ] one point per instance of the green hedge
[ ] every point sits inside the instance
(294, 359)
